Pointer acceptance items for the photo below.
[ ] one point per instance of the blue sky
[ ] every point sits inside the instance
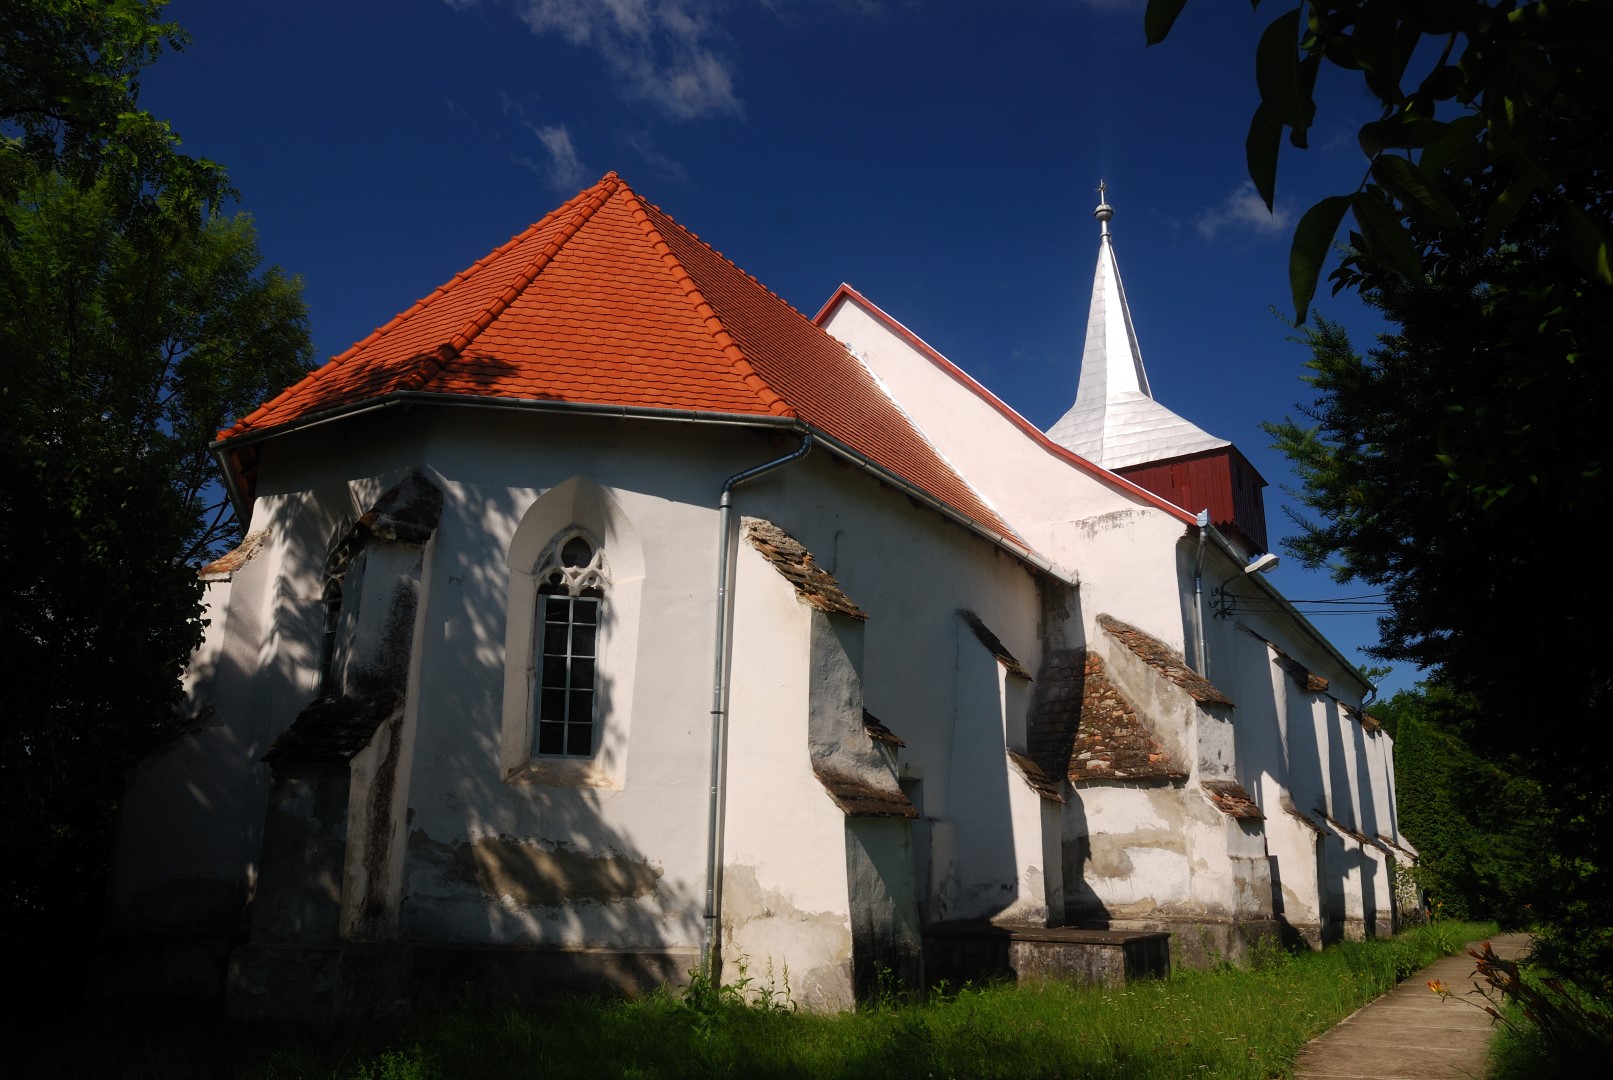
(939, 156)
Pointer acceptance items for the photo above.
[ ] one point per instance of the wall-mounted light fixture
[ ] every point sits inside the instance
(1262, 564)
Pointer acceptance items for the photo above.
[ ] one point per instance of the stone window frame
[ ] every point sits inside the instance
(574, 506)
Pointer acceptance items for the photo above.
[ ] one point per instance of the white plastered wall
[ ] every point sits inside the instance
(991, 866)
(483, 852)
(786, 901)
(912, 571)
(1115, 540)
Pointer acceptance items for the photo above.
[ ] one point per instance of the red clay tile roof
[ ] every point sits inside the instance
(332, 730)
(1055, 711)
(1367, 721)
(1038, 780)
(1300, 816)
(879, 732)
(1165, 660)
(1353, 833)
(1232, 799)
(994, 644)
(814, 585)
(1111, 740)
(225, 566)
(608, 301)
(857, 797)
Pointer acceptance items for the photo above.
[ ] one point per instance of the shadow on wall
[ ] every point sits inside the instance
(1081, 901)
(547, 861)
(452, 853)
(980, 877)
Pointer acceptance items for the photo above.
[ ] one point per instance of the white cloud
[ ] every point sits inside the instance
(662, 52)
(663, 165)
(1243, 210)
(565, 170)
(561, 167)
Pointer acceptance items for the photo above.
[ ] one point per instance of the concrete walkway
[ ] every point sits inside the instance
(1411, 1033)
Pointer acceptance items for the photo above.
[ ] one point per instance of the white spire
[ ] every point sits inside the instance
(1115, 420)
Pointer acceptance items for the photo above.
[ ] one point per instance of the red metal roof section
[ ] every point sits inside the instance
(1221, 481)
(608, 301)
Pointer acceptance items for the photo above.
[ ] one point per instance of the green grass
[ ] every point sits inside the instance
(1220, 1023)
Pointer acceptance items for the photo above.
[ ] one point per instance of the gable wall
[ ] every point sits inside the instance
(1116, 541)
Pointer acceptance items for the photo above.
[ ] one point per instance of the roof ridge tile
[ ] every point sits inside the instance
(774, 403)
(432, 359)
(598, 195)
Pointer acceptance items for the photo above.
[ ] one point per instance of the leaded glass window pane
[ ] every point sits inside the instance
(568, 611)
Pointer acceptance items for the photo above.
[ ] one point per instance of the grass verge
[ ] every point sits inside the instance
(1225, 1022)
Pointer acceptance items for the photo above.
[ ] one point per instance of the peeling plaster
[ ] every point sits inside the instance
(762, 924)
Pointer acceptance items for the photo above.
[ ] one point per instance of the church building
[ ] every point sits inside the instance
(601, 617)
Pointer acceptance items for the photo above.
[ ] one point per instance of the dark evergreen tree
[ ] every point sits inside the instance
(136, 319)
(1462, 463)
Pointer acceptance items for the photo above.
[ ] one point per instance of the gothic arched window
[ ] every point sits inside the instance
(571, 592)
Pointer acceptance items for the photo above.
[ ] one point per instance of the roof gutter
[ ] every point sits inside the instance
(232, 488)
(637, 412)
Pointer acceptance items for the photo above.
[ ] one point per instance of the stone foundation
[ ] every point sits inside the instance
(1203, 943)
(976, 952)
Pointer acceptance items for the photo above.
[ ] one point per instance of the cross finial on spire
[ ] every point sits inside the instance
(1104, 211)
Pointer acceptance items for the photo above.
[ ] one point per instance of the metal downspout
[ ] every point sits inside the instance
(712, 949)
(1198, 596)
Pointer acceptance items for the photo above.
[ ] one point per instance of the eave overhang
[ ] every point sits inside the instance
(240, 479)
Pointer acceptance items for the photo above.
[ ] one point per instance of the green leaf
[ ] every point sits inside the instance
(1374, 42)
(1415, 191)
(1307, 69)
(1388, 243)
(1587, 242)
(1504, 209)
(1407, 38)
(1459, 135)
(1517, 156)
(1260, 150)
(1277, 70)
(1312, 238)
(1402, 131)
(1160, 17)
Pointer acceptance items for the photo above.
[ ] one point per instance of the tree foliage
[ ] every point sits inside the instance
(1462, 463)
(1498, 104)
(1472, 821)
(137, 321)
